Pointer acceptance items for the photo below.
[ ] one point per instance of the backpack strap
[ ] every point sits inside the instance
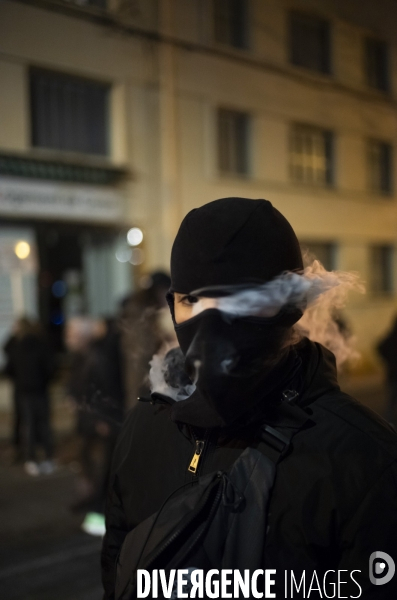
(275, 439)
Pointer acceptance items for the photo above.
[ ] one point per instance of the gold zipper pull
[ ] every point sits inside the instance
(196, 456)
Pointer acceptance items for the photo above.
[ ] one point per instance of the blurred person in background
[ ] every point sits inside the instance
(96, 386)
(146, 327)
(30, 365)
(387, 348)
(17, 433)
(78, 336)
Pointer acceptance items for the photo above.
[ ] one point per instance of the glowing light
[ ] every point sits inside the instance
(59, 288)
(22, 250)
(137, 256)
(134, 236)
(123, 255)
(57, 317)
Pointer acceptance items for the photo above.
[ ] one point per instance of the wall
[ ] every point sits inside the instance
(163, 107)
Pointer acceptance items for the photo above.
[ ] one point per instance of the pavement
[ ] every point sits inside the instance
(44, 555)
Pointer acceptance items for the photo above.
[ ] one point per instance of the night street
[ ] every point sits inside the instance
(198, 209)
(44, 555)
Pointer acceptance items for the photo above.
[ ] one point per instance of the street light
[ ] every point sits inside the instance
(134, 236)
(22, 249)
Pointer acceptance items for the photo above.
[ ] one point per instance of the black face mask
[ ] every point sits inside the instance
(230, 360)
(232, 242)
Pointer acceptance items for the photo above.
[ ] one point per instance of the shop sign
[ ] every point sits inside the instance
(30, 198)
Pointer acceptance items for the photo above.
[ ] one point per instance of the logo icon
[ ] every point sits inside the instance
(381, 568)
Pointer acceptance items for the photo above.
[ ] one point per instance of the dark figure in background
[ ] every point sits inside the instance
(105, 396)
(78, 337)
(387, 349)
(17, 433)
(96, 384)
(31, 366)
(145, 327)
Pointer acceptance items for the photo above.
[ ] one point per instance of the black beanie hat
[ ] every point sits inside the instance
(232, 241)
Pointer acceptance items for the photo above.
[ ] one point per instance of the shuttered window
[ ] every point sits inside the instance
(311, 155)
(231, 22)
(380, 156)
(325, 252)
(376, 55)
(233, 134)
(68, 113)
(309, 42)
(381, 269)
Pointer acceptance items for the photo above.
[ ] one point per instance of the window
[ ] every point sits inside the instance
(381, 269)
(69, 113)
(231, 22)
(380, 155)
(325, 252)
(233, 133)
(309, 42)
(311, 155)
(376, 64)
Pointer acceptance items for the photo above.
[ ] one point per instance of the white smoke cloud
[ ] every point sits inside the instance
(299, 290)
(158, 379)
(321, 319)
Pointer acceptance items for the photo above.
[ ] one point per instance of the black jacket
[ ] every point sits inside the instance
(30, 364)
(334, 501)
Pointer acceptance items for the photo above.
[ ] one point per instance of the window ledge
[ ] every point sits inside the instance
(235, 176)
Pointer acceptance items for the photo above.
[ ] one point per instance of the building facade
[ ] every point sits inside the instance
(152, 108)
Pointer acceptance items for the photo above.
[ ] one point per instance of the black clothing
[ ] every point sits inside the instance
(213, 242)
(96, 384)
(335, 496)
(228, 358)
(16, 401)
(30, 364)
(104, 391)
(226, 509)
(36, 413)
(17, 420)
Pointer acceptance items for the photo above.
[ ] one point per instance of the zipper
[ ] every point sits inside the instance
(198, 452)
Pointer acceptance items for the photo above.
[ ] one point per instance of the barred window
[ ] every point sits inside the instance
(309, 42)
(233, 134)
(311, 155)
(68, 113)
(381, 269)
(376, 54)
(231, 22)
(380, 157)
(325, 252)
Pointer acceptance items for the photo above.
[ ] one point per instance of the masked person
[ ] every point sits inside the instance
(241, 382)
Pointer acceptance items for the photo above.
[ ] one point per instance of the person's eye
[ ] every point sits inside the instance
(188, 300)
